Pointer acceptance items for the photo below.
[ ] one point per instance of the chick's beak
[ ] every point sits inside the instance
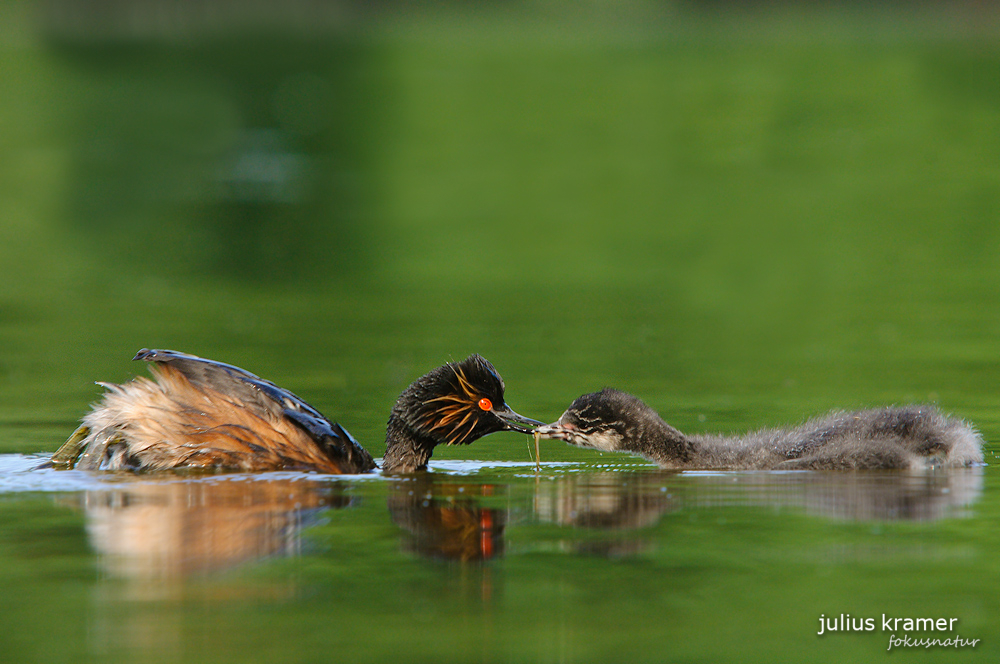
(556, 430)
(514, 422)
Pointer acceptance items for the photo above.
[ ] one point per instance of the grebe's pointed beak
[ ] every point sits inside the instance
(515, 422)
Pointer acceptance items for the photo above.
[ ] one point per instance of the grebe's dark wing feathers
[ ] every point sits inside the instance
(253, 391)
(197, 369)
(262, 397)
(338, 442)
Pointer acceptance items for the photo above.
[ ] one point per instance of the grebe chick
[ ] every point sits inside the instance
(882, 438)
(198, 413)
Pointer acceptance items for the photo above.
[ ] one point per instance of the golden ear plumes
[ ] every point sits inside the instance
(445, 418)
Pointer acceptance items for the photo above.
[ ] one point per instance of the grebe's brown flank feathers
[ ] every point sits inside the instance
(454, 404)
(268, 400)
(200, 413)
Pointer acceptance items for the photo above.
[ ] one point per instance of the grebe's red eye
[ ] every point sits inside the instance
(485, 404)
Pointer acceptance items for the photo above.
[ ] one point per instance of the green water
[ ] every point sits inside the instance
(745, 219)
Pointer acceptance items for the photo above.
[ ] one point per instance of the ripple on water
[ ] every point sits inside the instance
(469, 467)
(20, 473)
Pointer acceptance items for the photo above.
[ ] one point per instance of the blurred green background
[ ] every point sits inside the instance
(790, 205)
(746, 213)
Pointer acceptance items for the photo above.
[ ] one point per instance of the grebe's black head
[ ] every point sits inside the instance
(459, 402)
(607, 420)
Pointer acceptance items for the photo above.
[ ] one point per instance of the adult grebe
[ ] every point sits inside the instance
(905, 437)
(199, 413)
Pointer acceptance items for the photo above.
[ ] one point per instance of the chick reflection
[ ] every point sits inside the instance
(608, 500)
(619, 505)
(446, 520)
(861, 496)
(154, 530)
(614, 500)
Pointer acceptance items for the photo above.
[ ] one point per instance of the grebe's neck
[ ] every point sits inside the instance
(406, 451)
(658, 441)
